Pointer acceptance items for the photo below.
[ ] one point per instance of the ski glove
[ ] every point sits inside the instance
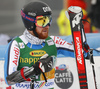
(44, 64)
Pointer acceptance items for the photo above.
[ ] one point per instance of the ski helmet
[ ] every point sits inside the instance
(31, 11)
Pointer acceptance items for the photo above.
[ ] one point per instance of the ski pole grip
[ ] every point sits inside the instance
(91, 55)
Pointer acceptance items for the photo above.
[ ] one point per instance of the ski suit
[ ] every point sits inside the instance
(23, 52)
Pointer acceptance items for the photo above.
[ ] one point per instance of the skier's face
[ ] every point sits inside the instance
(42, 32)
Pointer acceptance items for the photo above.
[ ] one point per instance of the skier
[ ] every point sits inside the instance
(31, 57)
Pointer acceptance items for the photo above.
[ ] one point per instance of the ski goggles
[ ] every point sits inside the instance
(40, 21)
(43, 21)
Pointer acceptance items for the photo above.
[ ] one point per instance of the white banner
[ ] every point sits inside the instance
(66, 76)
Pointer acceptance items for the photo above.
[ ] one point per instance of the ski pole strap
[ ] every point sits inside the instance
(85, 20)
(44, 77)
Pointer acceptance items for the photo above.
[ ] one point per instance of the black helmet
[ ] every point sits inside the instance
(30, 11)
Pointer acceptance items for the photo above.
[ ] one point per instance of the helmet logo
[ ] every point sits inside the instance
(46, 9)
(32, 14)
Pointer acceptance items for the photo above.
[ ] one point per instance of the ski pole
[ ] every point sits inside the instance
(92, 62)
(32, 83)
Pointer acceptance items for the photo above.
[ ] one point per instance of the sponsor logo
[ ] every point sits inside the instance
(37, 53)
(19, 85)
(27, 17)
(63, 77)
(36, 85)
(39, 85)
(46, 9)
(43, 84)
(28, 60)
(32, 14)
(16, 53)
(76, 19)
(21, 45)
(61, 67)
(79, 55)
(50, 42)
(79, 51)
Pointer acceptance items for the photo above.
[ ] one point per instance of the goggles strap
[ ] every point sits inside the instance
(34, 31)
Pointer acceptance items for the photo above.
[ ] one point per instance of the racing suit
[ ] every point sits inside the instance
(26, 50)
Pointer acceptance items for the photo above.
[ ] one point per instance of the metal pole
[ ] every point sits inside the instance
(32, 83)
(92, 63)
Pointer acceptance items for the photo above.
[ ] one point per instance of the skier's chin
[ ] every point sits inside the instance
(43, 36)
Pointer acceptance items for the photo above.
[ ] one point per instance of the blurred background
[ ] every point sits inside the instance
(10, 18)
